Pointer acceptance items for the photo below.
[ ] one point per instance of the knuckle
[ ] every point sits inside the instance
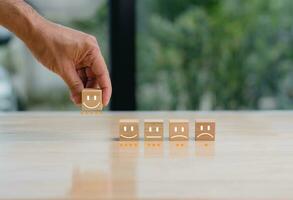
(91, 39)
(75, 86)
(94, 52)
(97, 50)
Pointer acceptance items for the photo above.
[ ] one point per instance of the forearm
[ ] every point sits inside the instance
(18, 17)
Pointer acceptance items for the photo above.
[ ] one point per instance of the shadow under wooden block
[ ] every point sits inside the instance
(205, 148)
(179, 149)
(93, 184)
(153, 149)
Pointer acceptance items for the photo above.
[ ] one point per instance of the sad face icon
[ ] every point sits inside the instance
(205, 130)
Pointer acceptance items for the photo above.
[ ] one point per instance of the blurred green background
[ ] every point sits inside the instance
(215, 54)
(192, 55)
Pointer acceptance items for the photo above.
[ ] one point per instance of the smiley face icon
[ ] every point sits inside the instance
(205, 130)
(128, 129)
(92, 100)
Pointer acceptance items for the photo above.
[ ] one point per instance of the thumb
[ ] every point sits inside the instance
(74, 83)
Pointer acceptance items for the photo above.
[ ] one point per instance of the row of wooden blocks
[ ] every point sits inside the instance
(178, 130)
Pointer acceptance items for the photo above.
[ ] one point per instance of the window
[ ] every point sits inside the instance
(214, 54)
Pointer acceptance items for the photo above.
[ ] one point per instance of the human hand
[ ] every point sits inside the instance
(74, 56)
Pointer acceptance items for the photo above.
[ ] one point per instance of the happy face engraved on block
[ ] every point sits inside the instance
(129, 129)
(92, 100)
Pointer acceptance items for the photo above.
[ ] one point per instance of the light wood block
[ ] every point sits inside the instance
(129, 129)
(153, 130)
(91, 100)
(178, 130)
(205, 130)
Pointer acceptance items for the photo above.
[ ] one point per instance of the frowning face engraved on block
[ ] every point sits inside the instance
(92, 100)
(205, 130)
(128, 129)
(153, 130)
(178, 130)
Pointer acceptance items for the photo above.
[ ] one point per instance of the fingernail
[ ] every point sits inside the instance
(75, 99)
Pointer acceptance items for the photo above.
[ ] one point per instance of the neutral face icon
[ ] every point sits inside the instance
(153, 130)
(92, 100)
(178, 130)
(205, 130)
(129, 130)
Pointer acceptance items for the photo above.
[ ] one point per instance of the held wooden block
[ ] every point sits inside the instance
(205, 130)
(129, 129)
(92, 100)
(178, 130)
(153, 130)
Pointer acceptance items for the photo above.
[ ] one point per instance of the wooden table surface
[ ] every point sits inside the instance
(72, 156)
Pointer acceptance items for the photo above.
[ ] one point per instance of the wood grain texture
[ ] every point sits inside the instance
(74, 156)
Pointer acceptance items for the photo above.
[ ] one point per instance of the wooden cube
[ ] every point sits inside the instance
(91, 100)
(129, 129)
(153, 130)
(205, 130)
(178, 130)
